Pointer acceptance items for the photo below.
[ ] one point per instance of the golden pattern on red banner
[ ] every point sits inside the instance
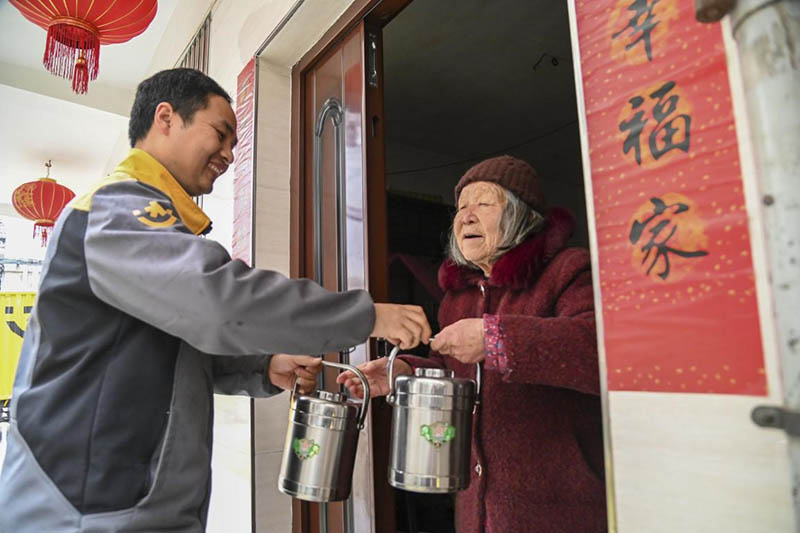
(676, 275)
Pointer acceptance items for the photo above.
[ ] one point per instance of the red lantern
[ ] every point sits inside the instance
(41, 201)
(80, 27)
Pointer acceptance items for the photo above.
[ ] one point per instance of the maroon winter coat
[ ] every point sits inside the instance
(537, 434)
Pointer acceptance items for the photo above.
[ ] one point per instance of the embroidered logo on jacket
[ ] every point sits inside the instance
(155, 216)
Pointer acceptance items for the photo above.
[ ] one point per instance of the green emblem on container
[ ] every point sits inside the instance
(438, 433)
(305, 448)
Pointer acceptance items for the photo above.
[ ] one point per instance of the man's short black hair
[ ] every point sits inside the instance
(185, 89)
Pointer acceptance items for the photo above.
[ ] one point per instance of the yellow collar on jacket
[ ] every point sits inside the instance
(144, 167)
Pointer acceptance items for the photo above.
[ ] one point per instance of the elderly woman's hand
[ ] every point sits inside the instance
(462, 340)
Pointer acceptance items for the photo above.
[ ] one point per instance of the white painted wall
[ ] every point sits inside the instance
(271, 228)
(696, 463)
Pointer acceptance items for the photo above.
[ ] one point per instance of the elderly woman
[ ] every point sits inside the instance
(519, 302)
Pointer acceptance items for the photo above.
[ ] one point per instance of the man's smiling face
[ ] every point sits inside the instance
(201, 149)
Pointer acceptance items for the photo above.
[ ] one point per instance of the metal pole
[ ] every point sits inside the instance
(330, 108)
(767, 34)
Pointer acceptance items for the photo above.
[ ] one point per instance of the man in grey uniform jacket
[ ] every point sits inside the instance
(112, 405)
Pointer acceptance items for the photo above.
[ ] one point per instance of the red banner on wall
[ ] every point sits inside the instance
(676, 275)
(242, 245)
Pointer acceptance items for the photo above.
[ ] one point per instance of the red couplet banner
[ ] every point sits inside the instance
(242, 246)
(676, 274)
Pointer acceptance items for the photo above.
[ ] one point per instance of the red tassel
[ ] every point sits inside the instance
(40, 231)
(80, 77)
(66, 39)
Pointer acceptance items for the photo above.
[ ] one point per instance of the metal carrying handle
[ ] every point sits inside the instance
(390, 369)
(364, 383)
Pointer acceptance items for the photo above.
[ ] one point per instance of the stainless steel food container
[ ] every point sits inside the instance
(321, 441)
(431, 429)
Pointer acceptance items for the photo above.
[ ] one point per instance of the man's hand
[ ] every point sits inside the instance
(462, 340)
(402, 325)
(283, 368)
(377, 375)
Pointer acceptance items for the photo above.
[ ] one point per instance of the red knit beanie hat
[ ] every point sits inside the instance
(510, 173)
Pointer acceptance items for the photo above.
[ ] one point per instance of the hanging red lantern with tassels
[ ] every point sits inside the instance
(77, 28)
(41, 201)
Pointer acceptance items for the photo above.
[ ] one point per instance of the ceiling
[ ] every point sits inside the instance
(467, 79)
(45, 120)
(481, 55)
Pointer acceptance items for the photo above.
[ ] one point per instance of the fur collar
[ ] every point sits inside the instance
(519, 267)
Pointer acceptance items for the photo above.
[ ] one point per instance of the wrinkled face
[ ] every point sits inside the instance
(201, 150)
(477, 222)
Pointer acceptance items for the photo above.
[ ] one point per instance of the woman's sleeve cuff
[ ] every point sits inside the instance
(494, 345)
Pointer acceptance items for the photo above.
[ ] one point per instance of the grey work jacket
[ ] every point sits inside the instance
(112, 414)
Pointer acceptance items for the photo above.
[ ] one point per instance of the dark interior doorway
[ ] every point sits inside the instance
(465, 80)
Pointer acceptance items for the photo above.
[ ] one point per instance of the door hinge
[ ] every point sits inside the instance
(768, 416)
(372, 59)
